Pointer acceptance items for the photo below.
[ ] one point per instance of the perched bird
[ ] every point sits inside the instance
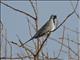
(46, 28)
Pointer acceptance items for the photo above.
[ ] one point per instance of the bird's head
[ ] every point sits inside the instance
(54, 18)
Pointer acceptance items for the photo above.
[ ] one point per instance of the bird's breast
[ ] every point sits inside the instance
(53, 27)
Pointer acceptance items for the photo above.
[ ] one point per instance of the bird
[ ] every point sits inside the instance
(49, 26)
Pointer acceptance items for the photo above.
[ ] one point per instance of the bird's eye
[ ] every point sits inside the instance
(55, 17)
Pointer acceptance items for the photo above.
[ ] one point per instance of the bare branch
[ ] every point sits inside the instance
(33, 8)
(75, 10)
(10, 49)
(64, 45)
(19, 56)
(71, 41)
(30, 31)
(0, 35)
(18, 10)
(26, 49)
(43, 44)
(67, 17)
(62, 42)
(16, 57)
(29, 27)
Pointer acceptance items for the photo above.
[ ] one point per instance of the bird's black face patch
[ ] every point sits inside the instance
(54, 17)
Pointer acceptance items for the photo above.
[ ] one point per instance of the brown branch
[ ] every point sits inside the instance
(36, 24)
(56, 29)
(18, 10)
(42, 44)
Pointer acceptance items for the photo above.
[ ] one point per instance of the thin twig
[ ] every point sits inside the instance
(16, 57)
(77, 38)
(64, 45)
(18, 10)
(0, 35)
(69, 55)
(33, 8)
(5, 42)
(10, 49)
(66, 18)
(72, 30)
(29, 27)
(26, 49)
(29, 22)
(75, 11)
(62, 42)
(71, 41)
(30, 30)
(19, 56)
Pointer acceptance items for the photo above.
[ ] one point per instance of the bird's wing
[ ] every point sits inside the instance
(43, 30)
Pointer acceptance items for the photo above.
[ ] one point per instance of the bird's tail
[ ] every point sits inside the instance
(27, 41)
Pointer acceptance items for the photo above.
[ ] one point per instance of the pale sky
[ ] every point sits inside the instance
(16, 23)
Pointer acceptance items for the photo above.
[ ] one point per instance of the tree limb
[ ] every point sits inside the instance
(18, 10)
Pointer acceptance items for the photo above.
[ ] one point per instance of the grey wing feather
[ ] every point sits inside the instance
(43, 30)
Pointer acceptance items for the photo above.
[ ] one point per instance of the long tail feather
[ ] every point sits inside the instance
(27, 41)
